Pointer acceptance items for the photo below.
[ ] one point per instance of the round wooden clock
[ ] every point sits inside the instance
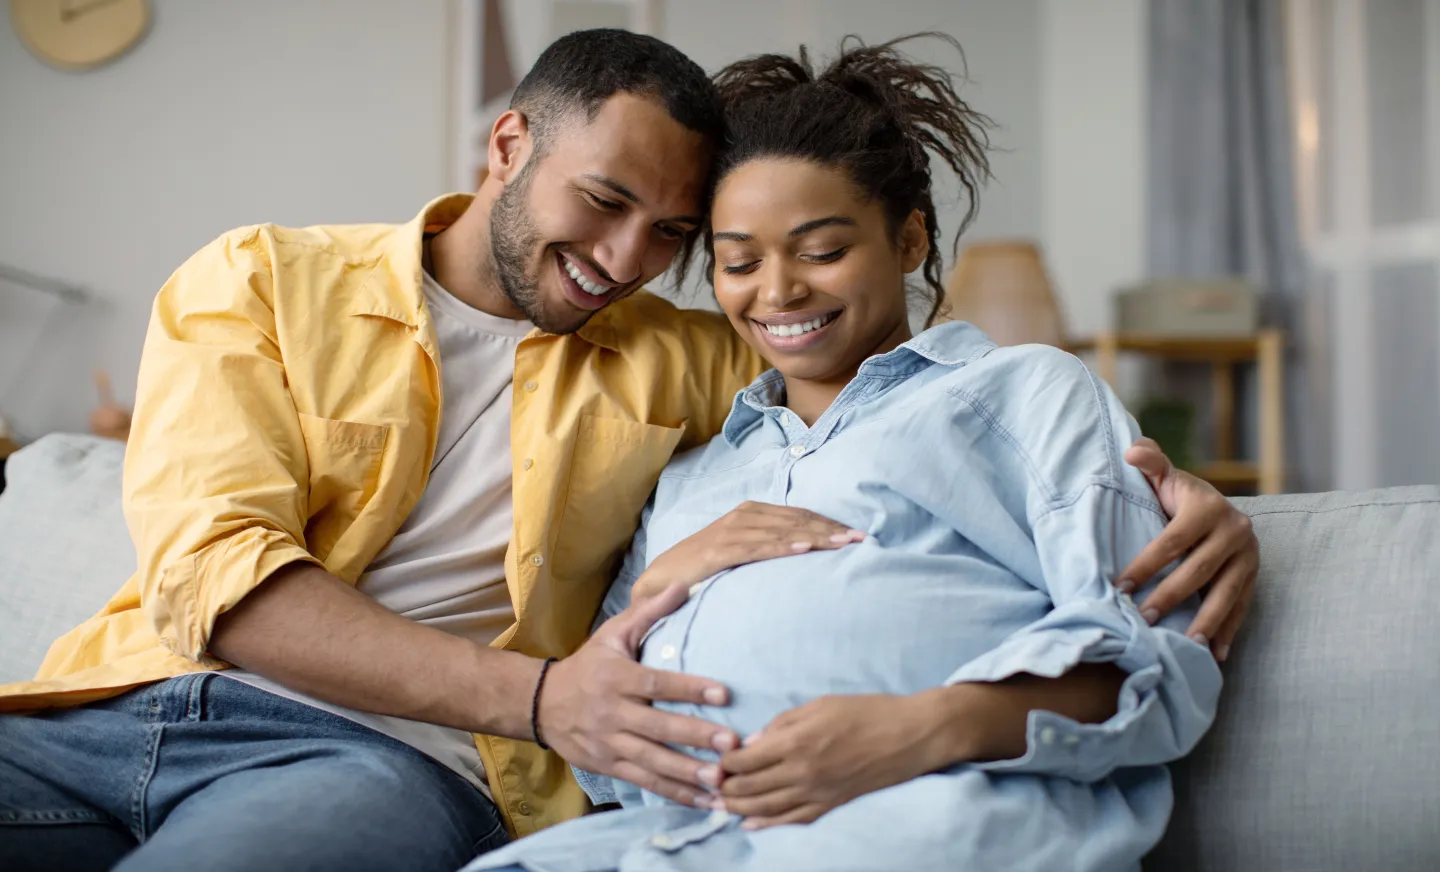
(80, 34)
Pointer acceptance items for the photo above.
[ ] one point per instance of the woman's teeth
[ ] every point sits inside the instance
(802, 327)
(585, 284)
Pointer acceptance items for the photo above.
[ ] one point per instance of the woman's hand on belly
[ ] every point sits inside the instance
(747, 534)
(825, 753)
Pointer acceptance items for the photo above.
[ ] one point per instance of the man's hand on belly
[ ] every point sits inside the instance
(595, 710)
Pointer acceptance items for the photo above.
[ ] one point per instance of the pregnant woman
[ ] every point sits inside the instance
(985, 570)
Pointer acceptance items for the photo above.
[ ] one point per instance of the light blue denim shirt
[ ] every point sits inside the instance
(999, 511)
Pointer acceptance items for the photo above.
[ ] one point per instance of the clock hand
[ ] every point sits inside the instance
(70, 13)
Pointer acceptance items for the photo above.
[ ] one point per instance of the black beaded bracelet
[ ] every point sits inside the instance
(535, 704)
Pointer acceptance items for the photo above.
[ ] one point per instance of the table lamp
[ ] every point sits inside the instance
(1002, 288)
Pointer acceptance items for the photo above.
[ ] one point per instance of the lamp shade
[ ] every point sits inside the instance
(1002, 288)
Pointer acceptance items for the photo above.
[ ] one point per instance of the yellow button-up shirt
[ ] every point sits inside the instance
(287, 410)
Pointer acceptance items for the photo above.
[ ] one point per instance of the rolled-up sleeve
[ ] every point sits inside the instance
(213, 491)
(1169, 696)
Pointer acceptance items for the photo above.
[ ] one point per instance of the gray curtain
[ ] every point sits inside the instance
(1221, 191)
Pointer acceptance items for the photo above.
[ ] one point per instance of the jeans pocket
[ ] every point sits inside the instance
(496, 838)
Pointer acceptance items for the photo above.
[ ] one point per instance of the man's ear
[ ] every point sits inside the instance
(511, 145)
(914, 242)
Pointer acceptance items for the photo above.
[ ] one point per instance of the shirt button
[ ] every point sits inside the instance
(1047, 736)
(523, 808)
(797, 450)
(1070, 741)
(531, 386)
(662, 842)
(527, 463)
(537, 560)
(667, 653)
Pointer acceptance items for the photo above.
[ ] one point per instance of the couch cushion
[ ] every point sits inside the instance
(64, 548)
(1326, 753)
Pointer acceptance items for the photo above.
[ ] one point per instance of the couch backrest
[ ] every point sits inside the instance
(1326, 753)
(64, 548)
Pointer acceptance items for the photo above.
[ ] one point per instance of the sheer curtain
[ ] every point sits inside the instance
(1221, 197)
(1366, 97)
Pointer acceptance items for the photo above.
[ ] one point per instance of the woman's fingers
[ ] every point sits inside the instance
(804, 814)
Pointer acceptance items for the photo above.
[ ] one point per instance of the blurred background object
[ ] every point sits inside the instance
(1002, 288)
(1293, 145)
(110, 419)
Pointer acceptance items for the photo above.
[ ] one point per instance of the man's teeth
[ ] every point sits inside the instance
(585, 284)
(802, 327)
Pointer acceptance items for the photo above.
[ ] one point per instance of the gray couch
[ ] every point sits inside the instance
(1326, 755)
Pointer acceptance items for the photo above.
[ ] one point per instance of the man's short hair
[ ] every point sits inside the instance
(581, 70)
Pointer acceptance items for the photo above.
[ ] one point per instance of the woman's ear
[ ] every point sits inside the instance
(510, 146)
(914, 242)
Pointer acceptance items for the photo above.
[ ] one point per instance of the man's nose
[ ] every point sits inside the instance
(622, 252)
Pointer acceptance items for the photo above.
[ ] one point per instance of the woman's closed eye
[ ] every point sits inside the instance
(828, 256)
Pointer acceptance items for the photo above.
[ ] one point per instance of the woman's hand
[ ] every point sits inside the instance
(825, 753)
(1221, 553)
(747, 534)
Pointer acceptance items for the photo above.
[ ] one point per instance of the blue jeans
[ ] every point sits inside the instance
(203, 772)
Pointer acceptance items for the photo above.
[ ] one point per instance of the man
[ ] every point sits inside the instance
(360, 479)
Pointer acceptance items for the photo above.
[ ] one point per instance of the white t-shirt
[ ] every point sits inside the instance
(446, 565)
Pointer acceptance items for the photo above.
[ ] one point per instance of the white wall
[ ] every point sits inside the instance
(1092, 148)
(226, 114)
(292, 112)
(1002, 49)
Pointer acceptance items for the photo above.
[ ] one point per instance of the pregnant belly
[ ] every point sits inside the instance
(783, 632)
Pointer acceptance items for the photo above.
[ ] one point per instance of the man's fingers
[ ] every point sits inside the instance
(1220, 600)
(1198, 569)
(672, 729)
(631, 625)
(657, 759)
(659, 685)
(676, 791)
(1146, 456)
(1173, 541)
(1225, 636)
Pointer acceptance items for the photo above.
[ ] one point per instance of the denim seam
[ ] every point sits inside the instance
(1101, 408)
(68, 816)
(139, 826)
(1005, 436)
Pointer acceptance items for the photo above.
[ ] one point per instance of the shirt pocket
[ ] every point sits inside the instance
(345, 458)
(613, 469)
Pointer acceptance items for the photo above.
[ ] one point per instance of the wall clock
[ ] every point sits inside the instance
(80, 34)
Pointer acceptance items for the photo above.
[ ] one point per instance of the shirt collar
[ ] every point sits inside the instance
(952, 344)
(394, 287)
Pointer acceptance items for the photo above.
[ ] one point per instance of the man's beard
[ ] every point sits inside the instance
(513, 239)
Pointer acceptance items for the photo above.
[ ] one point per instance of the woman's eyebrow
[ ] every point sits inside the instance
(801, 230)
(821, 222)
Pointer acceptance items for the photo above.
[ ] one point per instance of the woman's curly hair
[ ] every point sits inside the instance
(872, 112)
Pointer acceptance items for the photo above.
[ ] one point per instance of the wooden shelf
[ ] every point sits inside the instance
(1222, 353)
(1229, 473)
(1206, 348)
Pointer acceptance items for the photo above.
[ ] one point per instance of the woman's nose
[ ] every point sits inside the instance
(779, 288)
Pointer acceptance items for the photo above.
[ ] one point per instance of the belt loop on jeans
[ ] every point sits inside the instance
(195, 704)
